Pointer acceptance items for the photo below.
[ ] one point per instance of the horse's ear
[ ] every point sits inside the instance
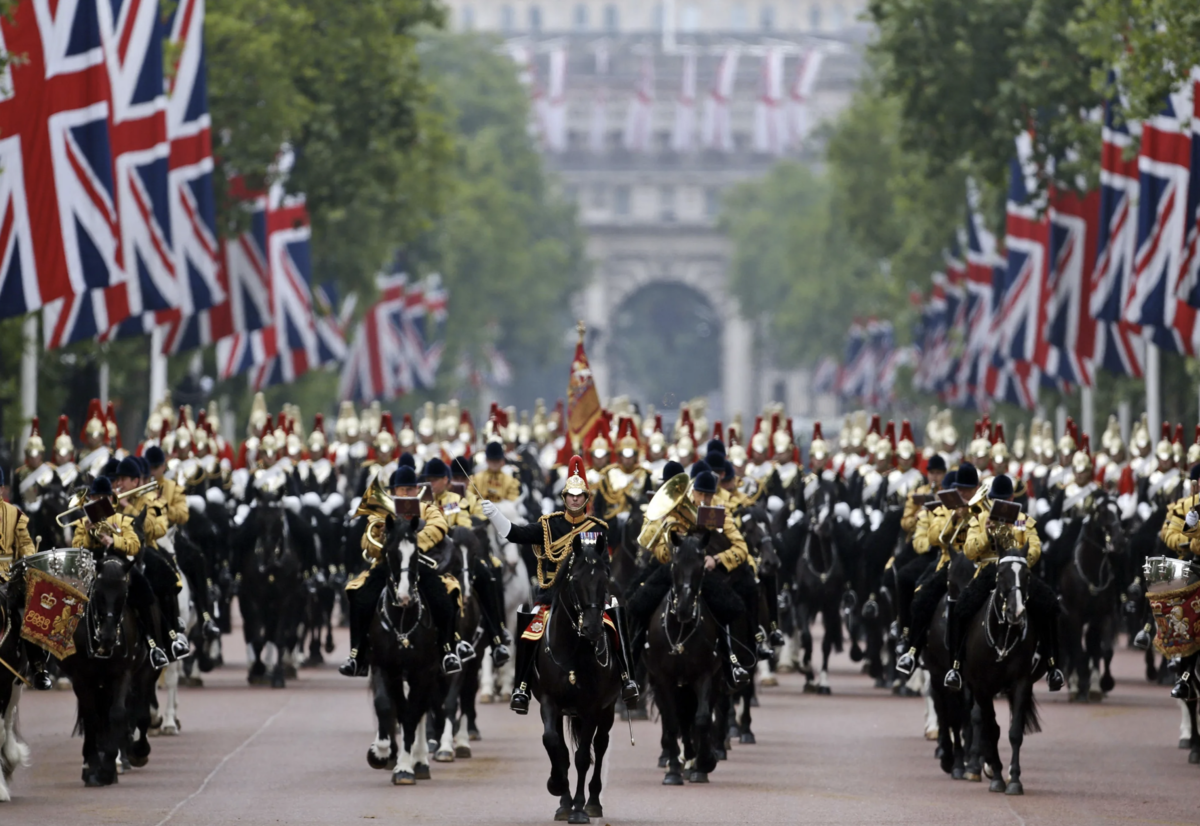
(388, 522)
(674, 538)
(414, 524)
(705, 540)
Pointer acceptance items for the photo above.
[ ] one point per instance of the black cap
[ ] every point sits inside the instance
(936, 462)
(110, 468)
(729, 472)
(101, 486)
(155, 456)
(127, 468)
(404, 477)
(715, 446)
(406, 460)
(1194, 473)
(700, 467)
(143, 465)
(435, 468)
(459, 467)
(716, 461)
(949, 480)
(968, 476)
(1002, 487)
(671, 470)
(494, 451)
(704, 482)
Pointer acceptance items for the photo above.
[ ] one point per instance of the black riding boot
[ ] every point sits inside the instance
(738, 676)
(771, 586)
(358, 663)
(526, 654)
(492, 610)
(1054, 675)
(629, 689)
(141, 600)
(953, 680)
(38, 658)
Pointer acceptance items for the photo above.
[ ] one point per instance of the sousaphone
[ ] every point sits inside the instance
(670, 505)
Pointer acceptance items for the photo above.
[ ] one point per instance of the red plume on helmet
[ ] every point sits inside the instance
(35, 429)
(817, 432)
(889, 433)
(1197, 440)
(658, 423)
(1166, 431)
(718, 431)
(1178, 434)
(267, 428)
(1085, 444)
(998, 438)
(319, 422)
(758, 422)
(385, 423)
(576, 477)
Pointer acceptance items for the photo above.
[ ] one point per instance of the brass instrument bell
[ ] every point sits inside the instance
(669, 506)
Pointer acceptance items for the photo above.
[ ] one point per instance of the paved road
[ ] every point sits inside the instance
(297, 756)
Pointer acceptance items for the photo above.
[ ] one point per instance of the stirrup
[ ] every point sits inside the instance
(906, 663)
(519, 702)
(1141, 640)
(739, 676)
(451, 664)
(180, 649)
(42, 681)
(211, 630)
(953, 680)
(1180, 690)
(1055, 678)
(776, 638)
(629, 692)
(158, 657)
(465, 651)
(500, 654)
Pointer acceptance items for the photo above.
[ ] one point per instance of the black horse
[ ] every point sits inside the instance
(109, 652)
(953, 707)
(13, 750)
(578, 676)
(404, 648)
(1001, 658)
(270, 591)
(1089, 587)
(683, 665)
(820, 587)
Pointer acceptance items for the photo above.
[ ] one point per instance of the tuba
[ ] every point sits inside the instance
(670, 506)
(376, 502)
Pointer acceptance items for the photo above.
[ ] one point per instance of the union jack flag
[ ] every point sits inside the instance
(850, 381)
(983, 264)
(1119, 346)
(377, 364)
(1164, 167)
(825, 376)
(1189, 282)
(54, 137)
(1021, 316)
(1071, 329)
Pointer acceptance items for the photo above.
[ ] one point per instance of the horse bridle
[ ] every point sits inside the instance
(89, 617)
(579, 607)
(393, 601)
(692, 622)
(1105, 566)
(1013, 633)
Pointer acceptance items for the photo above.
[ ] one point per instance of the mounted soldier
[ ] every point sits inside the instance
(552, 537)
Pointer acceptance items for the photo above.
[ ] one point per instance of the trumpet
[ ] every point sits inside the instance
(146, 488)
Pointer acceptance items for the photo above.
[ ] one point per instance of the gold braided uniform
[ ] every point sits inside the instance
(124, 538)
(373, 538)
(913, 511)
(1175, 533)
(496, 485)
(551, 538)
(155, 525)
(15, 542)
(736, 554)
(978, 546)
(618, 500)
(173, 501)
(946, 534)
(454, 509)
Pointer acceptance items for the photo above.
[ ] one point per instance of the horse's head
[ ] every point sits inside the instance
(820, 510)
(106, 604)
(756, 529)
(1012, 588)
(401, 556)
(269, 522)
(687, 571)
(1106, 517)
(586, 586)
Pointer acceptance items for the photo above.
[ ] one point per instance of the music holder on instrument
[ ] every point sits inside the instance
(932, 505)
(1005, 512)
(99, 510)
(407, 506)
(711, 516)
(920, 499)
(460, 488)
(952, 499)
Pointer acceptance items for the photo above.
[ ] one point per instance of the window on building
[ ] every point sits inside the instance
(691, 18)
(466, 18)
(766, 18)
(739, 18)
(611, 18)
(712, 202)
(535, 18)
(580, 17)
(666, 203)
(814, 17)
(621, 200)
(508, 20)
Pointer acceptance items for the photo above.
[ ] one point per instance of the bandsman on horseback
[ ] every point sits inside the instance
(15, 545)
(988, 541)
(551, 538)
(492, 482)
(117, 534)
(363, 592)
(1181, 534)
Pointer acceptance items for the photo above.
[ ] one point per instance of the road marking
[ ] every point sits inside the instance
(224, 760)
(1020, 819)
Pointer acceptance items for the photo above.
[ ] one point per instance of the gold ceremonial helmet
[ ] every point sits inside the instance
(781, 441)
(947, 431)
(1163, 449)
(317, 443)
(94, 429)
(258, 415)
(1019, 443)
(427, 424)
(576, 483)
(737, 456)
(598, 449)
(64, 447)
(268, 449)
(1081, 462)
(34, 446)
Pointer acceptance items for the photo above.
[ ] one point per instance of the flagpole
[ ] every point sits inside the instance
(1153, 406)
(158, 366)
(103, 377)
(29, 364)
(1087, 411)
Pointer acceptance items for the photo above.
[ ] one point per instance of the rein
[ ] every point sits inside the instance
(1106, 571)
(391, 599)
(672, 610)
(576, 626)
(1013, 633)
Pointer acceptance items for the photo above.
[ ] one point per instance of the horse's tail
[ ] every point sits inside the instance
(1033, 721)
(576, 739)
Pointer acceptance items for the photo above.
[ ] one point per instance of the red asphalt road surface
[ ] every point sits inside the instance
(253, 755)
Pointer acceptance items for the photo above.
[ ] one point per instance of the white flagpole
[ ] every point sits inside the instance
(1087, 412)
(29, 364)
(1153, 398)
(158, 366)
(103, 379)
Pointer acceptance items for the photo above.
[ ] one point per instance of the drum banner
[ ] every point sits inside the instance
(52, 612)
(1177, 615)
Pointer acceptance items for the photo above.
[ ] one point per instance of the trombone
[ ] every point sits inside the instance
(77, 513)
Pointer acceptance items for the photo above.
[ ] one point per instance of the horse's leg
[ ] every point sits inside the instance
(1071, 634)
(556, 749)
(467, 730)
(604, 726)
(412, 733)
(720, 725)
(1194, 740)
(584, 730)
(170, 723)
(833, 618)
(1092, 665)
(974, 743)
(990, 746)
(745, 735)
(278, 634)
(381, 754)
(664, 697)
(88, 701)
(701, 725)
(806, 644)
(449, 708)
(487, 681)
(117, 729)
(1020, 699)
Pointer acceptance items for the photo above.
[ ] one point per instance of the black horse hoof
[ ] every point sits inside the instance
(421, 771)
(1107, 683)
(721, 754)
(1185, 743)
(473, 734)
(947, 762)
(747, 738)
(403, 779)
(1014, 787)
(663, 759)
(278, 682)
(958, 773)
(734, 731)
(998, 785)
(856, 654)
(1194, 756)
(881, 682)
(973, 777)
(938, 753)
(698, 777)
(379, 763)
(810, 688)
(578, 817)
(673, 779)
(562, 813)
(824, 690)
(139, 761)
(593, 810)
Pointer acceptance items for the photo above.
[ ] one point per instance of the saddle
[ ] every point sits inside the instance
(536, 629)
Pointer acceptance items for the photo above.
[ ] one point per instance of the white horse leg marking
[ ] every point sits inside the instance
(406, 761)
(823, 679)
(487, 680)
(381, 748)
(931, 718)
(170, 725)
(1185, 721)
(420, 751)
(446, 744)
(462, 738)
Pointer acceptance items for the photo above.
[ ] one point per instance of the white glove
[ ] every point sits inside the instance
(1191, 519)
(876, 520)
(1043, 507)
(857, 520)
(499, 521)
(841, 510)
(774, 504)
(796, 516)
(1144, 510)
(1054, 528)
